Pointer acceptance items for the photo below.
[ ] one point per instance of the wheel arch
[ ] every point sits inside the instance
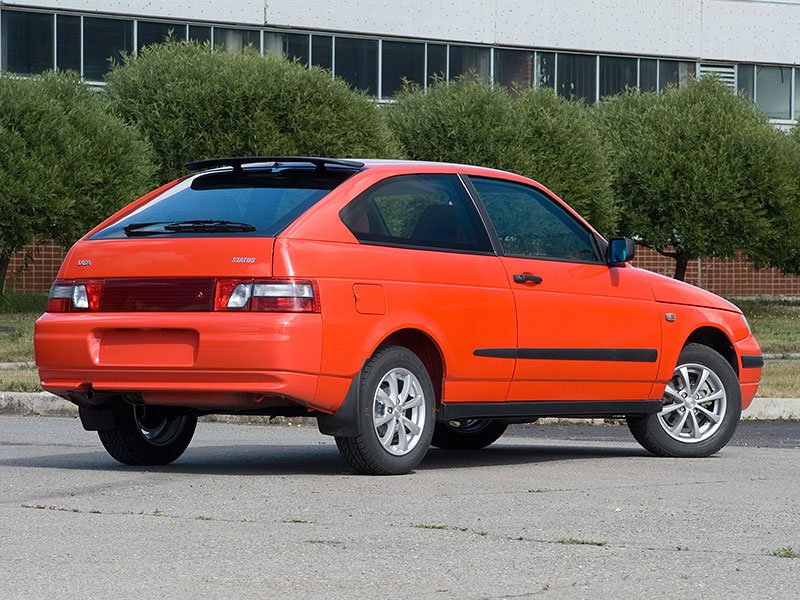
(716, 339)
(428, 351)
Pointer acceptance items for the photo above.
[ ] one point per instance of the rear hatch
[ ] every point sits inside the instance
(171, 253)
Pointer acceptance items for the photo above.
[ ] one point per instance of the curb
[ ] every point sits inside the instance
(44, 404)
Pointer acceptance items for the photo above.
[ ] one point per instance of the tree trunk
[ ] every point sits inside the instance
(681, 264)
(5, 259)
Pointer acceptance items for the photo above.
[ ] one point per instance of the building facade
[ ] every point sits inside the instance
(579, 48)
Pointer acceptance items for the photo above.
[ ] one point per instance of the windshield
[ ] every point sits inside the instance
(257, 202)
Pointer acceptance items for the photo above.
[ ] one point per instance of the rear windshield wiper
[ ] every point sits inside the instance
(200, 225)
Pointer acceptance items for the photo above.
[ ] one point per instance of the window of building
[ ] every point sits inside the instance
(421, 211)
(514, 68)
(577, 76)
(402, 61)
(648, 75)
(616, 74)
(357, 63)
(437, 62)
(322, 51)
(545, 76)
(104, 40)
(774, 91)
(27, 40)
(472, 61)
(674, 72)
(293, 46)
(797, 94)
(68, 47)
(236, 40)
(747, 81)
(156, 32)
(531, 225)
(199, 33)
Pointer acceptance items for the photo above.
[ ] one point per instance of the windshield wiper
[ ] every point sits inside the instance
(200, 225)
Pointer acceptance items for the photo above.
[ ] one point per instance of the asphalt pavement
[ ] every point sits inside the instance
(273, 512)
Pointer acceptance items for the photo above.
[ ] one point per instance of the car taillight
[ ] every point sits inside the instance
(74, 296)
(266, 295)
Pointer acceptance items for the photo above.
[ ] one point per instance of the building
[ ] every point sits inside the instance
(580, 48)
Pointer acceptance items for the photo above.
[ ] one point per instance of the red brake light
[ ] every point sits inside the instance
(266, 295)
(74, 296)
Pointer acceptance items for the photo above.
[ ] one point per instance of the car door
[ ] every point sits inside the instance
(585, 331)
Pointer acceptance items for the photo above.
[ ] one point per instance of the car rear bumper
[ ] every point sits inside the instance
(211, 361)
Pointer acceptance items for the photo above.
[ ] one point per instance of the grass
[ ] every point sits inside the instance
(780, 379)
(787, 552)
(19, 380)
(17, 315)
(775, 323)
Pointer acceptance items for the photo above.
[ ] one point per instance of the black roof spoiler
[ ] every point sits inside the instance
(238, 162)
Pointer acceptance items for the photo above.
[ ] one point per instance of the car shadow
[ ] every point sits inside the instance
(323, 459)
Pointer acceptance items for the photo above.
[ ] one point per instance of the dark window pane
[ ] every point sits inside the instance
(104, 39)
(546, 70)
(151, 32)
(437, 62)
(322, 51)
(27, 40)
(470, 60)
(529, 224)
(616, 74)
(357, 63)
(514, 68)
(293, 46)
(68, 46)
(747, 85)
(402, 61)
(648, 74)
(674, 72)
(429, 211)
(796, 94)
(577, 76)
(199, 33)
(774, 91)
(236, 40)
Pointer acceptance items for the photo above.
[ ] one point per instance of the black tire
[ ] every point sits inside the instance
(651, 431)
(365, 452)
(469, 434)
(147, 435)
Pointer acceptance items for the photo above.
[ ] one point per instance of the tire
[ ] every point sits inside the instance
(391, 441)
(702, 407)
(469, 434)
(147, 435)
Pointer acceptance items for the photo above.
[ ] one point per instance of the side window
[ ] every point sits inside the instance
(529, 224)
(420, 211)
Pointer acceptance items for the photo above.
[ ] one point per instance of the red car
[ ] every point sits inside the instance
(401, 303)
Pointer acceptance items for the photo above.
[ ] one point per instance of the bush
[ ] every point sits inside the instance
(195, 102)
(65, 161)
(699, 171)
(535, 133)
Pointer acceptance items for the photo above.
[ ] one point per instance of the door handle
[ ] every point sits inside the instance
(527, 278)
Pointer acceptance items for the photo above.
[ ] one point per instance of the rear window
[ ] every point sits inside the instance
(255, 203)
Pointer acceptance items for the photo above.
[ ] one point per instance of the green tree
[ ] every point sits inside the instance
(534, 133)
(195, 102)
(65, 161)
(698, 171)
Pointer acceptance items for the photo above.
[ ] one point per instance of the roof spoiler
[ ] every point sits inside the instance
(238, 162)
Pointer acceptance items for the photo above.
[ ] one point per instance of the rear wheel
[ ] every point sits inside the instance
(147, 435)
(702, 405)
(467, 434)
(395, 415)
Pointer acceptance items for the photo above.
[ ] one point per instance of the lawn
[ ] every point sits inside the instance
(775, 323)
(17, 315)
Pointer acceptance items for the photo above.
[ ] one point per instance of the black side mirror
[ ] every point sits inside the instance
(620, 251)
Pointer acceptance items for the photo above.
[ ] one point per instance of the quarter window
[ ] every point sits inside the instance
(530, 224)
(421, 211)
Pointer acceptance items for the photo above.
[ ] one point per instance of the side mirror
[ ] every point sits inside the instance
(620, 251)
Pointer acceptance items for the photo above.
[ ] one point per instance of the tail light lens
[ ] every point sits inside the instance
(266, 295)
(74, 296)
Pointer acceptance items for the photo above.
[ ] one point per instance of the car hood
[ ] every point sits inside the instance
(672, 291)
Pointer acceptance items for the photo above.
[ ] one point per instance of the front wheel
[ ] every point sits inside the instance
(701, 408)
(395, 415)
(147, 435)
(467, 434)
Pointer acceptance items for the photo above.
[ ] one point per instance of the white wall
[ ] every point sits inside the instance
(735, 30)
